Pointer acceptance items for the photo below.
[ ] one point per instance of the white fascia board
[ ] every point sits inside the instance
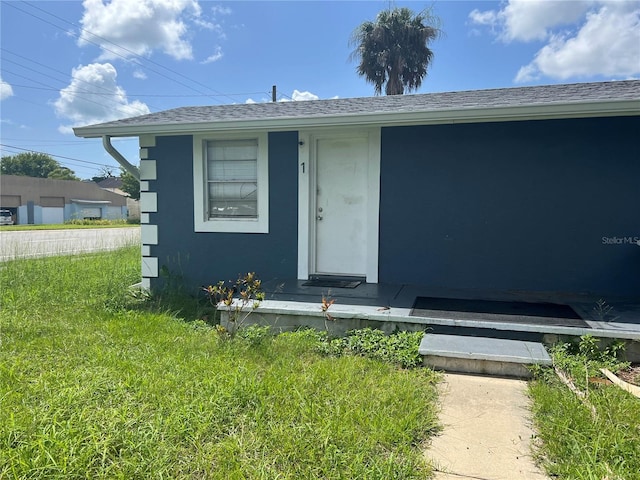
(442, 116)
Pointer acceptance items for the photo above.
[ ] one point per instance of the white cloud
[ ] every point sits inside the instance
(582, 38)
(607, 44)
(139, 74)
(220, 10)
(5, 90)
(93, 96)
(14, 124)
(217, 55)
(140, 26)
(527, 20)
(488, 17)
(217, 11)
(302, 96)
(296, 96)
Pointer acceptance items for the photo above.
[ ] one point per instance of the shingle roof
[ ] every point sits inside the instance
(545, 96)
(110, 182)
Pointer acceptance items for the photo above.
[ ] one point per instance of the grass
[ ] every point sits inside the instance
(576, 442)
(70, 226)
(95, 384)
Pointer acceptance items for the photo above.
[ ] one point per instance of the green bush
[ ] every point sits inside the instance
(585, 358)
(400, 347)
(101, 222)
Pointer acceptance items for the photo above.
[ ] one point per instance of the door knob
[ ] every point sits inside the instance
(319, 217)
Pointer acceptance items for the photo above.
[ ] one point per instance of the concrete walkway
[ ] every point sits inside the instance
(487, 433)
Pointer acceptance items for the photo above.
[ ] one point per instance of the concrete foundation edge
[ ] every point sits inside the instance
(483, 367)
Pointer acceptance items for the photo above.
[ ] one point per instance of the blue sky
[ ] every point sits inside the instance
(64, 64)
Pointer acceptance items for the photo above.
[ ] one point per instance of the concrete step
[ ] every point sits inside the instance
(490, 356)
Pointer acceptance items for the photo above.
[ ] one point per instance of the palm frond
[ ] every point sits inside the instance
(393, 52)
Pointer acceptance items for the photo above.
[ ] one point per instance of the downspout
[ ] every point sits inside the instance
(106, 143)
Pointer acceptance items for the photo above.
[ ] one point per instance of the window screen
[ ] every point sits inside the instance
(232, 178)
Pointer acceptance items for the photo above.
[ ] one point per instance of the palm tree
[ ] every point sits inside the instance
(394, 50)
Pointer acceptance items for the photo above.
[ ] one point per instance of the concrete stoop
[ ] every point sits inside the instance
(482, 355)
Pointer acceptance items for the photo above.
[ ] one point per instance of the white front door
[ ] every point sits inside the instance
(341, 205)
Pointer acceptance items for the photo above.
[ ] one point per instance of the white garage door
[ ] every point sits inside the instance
(52, 215)
(91, 212)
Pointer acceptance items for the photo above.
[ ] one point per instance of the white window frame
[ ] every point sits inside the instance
(230, 225)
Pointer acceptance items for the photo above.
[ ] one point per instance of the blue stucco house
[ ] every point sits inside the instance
(531, 189)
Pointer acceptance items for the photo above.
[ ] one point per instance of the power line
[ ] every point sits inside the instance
(75, 167)
(66, 163)
(65, 75)
(53, 155)
(132, 53)
(107, 91)
(78, 93)
(93, 43)
(50, 142)
(159, 95)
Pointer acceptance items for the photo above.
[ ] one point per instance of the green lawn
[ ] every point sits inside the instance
(576, 441)
(94, 384)
(68, 226)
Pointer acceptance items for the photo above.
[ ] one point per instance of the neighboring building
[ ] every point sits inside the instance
(114, 184)
(48, 201)
(532, 189)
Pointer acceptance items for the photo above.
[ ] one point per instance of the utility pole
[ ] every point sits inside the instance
(273, 93)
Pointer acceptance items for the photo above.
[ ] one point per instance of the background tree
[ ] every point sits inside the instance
(393, 52)
(33, 164)
(62, 173)
(130, 185)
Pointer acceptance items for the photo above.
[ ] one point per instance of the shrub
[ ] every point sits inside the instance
(400, 347)
(585, 358)
(241, 298)
(88, 221)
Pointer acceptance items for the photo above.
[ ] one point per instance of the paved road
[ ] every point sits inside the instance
(42, 243)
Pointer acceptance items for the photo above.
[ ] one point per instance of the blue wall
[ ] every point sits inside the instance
(205, 258)
(515, 206)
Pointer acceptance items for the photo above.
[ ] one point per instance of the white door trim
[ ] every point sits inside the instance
(306, 198)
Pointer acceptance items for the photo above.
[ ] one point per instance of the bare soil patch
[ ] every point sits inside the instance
(631, 374)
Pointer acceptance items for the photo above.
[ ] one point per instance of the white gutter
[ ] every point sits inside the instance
(106, 143)
(91, 202)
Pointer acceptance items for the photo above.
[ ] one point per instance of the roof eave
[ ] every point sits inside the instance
(459, 115)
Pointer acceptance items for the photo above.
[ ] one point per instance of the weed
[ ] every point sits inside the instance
(170, 297)
(255, 334)
(400, 348)
(591, 435)
(96, 223)
(240, 299)
(584, 359)
(94, 386)
(327, 301)
(604, 312)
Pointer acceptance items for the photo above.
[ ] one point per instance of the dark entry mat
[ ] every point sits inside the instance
(499, 311)
(331, 283)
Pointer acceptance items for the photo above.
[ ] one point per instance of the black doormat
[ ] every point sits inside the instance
(499, 311)
(331, 283)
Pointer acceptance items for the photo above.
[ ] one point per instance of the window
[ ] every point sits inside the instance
(231, 183)
(232, 177)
